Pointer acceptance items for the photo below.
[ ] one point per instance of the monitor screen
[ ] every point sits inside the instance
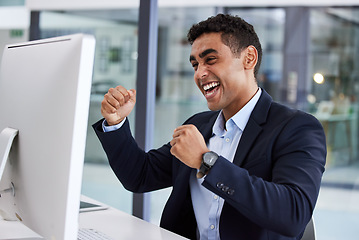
(45, 90)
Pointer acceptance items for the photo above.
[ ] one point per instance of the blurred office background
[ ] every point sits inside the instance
(310, 62)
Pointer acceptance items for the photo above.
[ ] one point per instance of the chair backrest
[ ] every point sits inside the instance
(309, 232)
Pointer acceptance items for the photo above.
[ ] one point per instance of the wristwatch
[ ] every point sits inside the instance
(208, 160)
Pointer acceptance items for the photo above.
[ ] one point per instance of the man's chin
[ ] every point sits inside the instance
(213, 107)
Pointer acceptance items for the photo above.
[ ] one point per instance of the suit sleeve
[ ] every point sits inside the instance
(137, 170)
(293, 157)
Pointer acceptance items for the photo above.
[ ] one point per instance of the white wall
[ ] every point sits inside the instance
(267, 3)
(106, 4)
(14, 18)
(80, 4)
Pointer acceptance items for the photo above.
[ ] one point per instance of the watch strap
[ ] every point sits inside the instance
(204, 168)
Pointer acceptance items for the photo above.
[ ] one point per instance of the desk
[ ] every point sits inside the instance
(112, 222)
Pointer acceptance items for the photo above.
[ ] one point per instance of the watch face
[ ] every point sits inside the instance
(210, 158)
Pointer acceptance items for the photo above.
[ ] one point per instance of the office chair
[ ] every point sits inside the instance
(309, 232)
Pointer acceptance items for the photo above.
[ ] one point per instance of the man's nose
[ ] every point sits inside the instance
(202, 72)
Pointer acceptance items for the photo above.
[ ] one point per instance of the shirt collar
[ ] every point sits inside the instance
(240, 119)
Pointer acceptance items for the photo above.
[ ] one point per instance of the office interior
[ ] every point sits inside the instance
(310, 62)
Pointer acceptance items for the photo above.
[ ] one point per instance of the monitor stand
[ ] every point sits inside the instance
(6, 139)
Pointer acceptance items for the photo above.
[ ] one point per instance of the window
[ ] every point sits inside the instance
(115, 64)
(334, 101)
(269, 25)
(178, 97)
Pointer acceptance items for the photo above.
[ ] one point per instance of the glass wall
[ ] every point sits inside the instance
(177, 95)
(269, 25)
(12, 2)
(115, 64)
(334, 63)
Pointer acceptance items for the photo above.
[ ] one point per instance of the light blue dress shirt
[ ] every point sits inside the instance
(224, 141)
(106, 128)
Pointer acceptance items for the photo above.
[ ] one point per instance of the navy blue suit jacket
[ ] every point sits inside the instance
(270, 189)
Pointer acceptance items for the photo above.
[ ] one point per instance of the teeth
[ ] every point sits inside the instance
(210, 85)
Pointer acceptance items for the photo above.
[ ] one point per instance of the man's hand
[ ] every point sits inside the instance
(188, 145)
(117, 104)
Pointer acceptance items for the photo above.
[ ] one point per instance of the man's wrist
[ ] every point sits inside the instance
(109, 128)
(109, 123)
(208, 160)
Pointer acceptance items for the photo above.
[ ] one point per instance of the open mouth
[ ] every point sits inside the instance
(210, 88)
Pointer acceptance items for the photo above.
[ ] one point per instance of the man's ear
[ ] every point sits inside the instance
(250, 58)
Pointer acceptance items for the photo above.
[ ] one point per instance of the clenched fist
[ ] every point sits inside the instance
(117, 104)
(188, 145)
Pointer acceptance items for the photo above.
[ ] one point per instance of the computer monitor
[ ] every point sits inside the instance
(45, 90)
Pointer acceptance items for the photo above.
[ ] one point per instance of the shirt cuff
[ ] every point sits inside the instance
(107, 128)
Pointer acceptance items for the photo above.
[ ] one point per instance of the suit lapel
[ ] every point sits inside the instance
(249, 135)
(206, 129)
(253, 128)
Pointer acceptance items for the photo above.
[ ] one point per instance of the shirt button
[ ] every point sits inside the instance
(215, 197)
(212, 226)
(227, 139)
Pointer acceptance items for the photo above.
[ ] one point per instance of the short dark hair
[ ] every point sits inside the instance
(237, 34)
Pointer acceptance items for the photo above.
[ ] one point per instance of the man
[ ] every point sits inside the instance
(248, 169)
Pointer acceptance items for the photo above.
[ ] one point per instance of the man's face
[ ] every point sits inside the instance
(219, 74)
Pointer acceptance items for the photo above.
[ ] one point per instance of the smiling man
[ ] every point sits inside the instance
(248, 169)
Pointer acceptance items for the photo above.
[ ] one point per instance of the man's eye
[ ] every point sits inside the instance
(194, 65)
(211, 60)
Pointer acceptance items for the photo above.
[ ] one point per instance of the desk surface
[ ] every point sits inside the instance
(112, 222)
